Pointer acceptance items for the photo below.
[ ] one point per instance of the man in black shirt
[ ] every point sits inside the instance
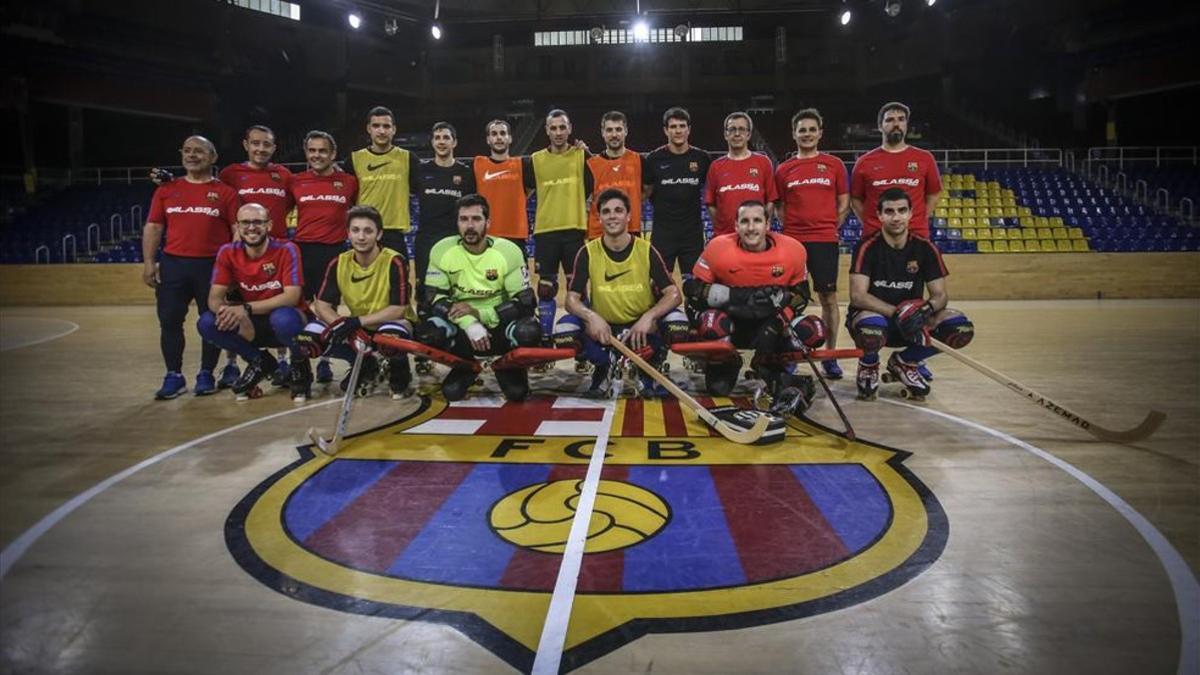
(440, 183)
(889, 275)
(674, 177)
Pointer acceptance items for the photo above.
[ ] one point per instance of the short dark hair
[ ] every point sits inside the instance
(380, 111)
(317, 133)
(448, 127)
(740, 115)
(258, 127)
(365, 211)
(613, 193)
(891, 105)
(557, 112)
(808, 114)
(614, 116)
(487, 128)
(751, 202)
(472, 200)
(891, 195)
(676, 113)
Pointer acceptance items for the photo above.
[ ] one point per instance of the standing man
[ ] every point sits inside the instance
(323, 194)
(615, 167)
(562, 182)
(620, 283)
(738, 177)
(674, 176)
(255, 302)
(481, 301)
(441, 182)
(814, 198)
(385, 176)
(372, 281)
(895, 164)
(195, 215)
(500, 179)
(258, 180)
(889, 275)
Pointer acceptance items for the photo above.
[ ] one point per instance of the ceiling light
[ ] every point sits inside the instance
(354, 19)
(641, 31)
(845, 18)
(436, 31)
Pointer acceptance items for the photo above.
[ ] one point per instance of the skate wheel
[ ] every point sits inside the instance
(887, 378)
(666, 368)
(909, 395)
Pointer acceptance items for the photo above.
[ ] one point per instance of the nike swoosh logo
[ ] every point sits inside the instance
(362, 278)
(372, 167)
(610, 277)
(488, 175)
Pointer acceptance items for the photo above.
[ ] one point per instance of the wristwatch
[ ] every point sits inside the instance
(249, 311)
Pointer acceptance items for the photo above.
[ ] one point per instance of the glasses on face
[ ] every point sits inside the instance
(254, 223)
(733, 131)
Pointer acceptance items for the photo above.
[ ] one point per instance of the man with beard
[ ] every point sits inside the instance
(481, 302)
(500, 179)
(616, 167)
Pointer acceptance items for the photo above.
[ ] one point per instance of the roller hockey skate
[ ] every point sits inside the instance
(282, 377)
(867, 381)
(833, 371)
(399, 376)
(925, 372)
(324, 372)
(229, 375)
(247, 386)
(601, 385)
(907, 374)
(424, 366)
(301, 377)
(367, 378)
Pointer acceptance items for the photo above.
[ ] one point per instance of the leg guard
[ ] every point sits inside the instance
(514, 383)
(674, 327)
(810, 330)
(956, 331)
(713, 324)
(547, 293)
(436, 332)
(568, 333)
(524, 332)
(870, 334)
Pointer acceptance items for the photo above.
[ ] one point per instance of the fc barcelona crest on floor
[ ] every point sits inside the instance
(460, 512)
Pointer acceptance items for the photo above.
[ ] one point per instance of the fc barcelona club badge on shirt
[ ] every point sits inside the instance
(776, 270)
(821, 168)
(912, 167)
(492, 275)
(337, 185)
(212, 197)
(912, 267)
(753, 171)
(276, 177)
(457, 180)
(268, 268)
(694, 167)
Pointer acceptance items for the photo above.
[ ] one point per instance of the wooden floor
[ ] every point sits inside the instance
(1015, 564)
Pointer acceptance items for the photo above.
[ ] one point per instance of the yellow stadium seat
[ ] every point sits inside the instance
(1056, 221)
(1000, 246)
(984, 246)
(1016, 246)
(970, 222)
(1033, 246)
(1009, 212)
(954, 201)
(1042, 221)
(941, 212)
(1080, 245)
(969, 212)
(1025, 211)
(996, 202)
(955, 211)
(1029, 234)
(969, 233)
(1048, 246)
(1045, 233)
(1063, 245)
(955, 221)
(1076, 232)
(969, 179)
(1060, 233)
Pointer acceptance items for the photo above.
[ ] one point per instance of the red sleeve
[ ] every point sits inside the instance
(292, 269)
(398, 272)
(801, 264)
(158, 211)
(858, 187)
(223, 267)
(710, 186)
(841, 183)
(702, 269)
(933, 180)
(230, 206)
(780, 183)
(226, 175)
(772, 192)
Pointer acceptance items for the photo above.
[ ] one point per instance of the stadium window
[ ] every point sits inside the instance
(622, 36)
(281, 8)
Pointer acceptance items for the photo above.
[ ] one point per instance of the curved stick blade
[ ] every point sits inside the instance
(1153, 421)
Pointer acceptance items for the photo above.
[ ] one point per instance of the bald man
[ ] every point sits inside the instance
(191, 219)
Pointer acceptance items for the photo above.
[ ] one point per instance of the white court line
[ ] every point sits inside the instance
(558, 616)
(29, 343)
(14, 551)
(1183, 581)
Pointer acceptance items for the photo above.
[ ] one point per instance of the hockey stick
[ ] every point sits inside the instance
(1153, 420)
(745, 437)
(828, 392)
(330, 447)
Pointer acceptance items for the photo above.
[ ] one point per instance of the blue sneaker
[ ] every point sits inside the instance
(924, 370)
(833, 371)
(173, 385)
(205, 383)
(229, 375)
(324, 372)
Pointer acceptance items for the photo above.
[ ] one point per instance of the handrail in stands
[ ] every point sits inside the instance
(115, 233)
(90, 228)
(1189, 214)
(1102, 174)
(37, 254)
(1141, 189)
(74, 251)
(135, 219)
(1166, 198)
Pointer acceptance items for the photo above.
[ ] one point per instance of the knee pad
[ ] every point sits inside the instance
(674, 327)
(568, 333)
(400, 329)
(810, 330)
(206, 325)
(713, 324)
(310, 342)
(547, 288)
(436, 332)
(524, 332)
(870, 334)
(286, 323)
(957, 331)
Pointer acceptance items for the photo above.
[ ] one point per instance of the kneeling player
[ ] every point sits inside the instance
(262, 275)
(748, 286)
(888, 278)
(627, 287)
(480, 302)
(372, 281)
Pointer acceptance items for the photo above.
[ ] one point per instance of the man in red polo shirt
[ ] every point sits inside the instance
(738, 177)
(323, 194)
(895, 164)
(749, 288)
(814, 199)
(194, 215)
